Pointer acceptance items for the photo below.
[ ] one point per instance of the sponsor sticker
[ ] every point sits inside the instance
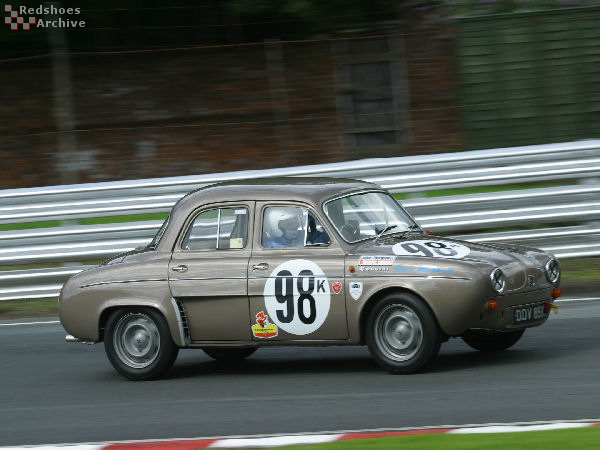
(374, 269)
(263, 329)
(435, 269)
(405, 269)
(432, 249)
(336, 287)
(297, 296)
(355, 289)
(376, 260)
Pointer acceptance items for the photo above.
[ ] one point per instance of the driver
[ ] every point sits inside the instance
(286, 229)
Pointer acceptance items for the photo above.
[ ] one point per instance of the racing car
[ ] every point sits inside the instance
(304, 261)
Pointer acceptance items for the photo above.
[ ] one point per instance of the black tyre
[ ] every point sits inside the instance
(402, 334)
(491, 341)
(229, 354)
(138, 343)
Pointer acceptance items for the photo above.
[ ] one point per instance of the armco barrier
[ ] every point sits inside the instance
(569, 214)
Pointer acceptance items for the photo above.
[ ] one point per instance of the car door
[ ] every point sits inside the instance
(208, 272)
(295, 284)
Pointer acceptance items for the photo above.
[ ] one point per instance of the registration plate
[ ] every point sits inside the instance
(529, 313)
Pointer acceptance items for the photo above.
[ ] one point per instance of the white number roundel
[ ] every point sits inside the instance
(297, 296)
(434, 249)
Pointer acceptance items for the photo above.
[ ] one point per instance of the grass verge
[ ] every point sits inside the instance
(20, 309)
(581, 438)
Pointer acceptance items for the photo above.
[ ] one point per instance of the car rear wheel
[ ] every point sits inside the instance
(229, 354)
(138, 343)
(402, 334)
(491, 341)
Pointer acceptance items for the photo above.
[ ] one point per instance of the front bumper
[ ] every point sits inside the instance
(518, 311)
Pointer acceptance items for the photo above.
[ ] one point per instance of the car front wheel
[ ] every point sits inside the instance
(229, 354)
(491, 341)
(402, 333)
(138, 343)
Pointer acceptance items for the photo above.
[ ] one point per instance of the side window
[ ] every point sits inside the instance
(218, 229)
(292, 226)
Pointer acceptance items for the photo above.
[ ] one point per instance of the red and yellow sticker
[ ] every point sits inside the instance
(263, 329)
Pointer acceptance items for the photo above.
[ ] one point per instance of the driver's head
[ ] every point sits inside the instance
(284, 221)
(288, 223)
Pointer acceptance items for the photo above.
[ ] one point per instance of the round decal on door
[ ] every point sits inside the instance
(431, 248)
(297, 296)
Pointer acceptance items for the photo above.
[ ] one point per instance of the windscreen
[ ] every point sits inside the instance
(363, 216)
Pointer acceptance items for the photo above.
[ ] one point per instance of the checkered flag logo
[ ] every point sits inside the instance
(14, 20)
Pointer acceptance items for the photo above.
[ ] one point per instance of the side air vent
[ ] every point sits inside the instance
(184, 321)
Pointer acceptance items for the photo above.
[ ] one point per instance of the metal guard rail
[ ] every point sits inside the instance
(571, 213)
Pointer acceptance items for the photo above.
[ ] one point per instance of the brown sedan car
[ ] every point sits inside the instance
(304, 261)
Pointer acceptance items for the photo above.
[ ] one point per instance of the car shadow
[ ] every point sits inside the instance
(470, 359)
(257, 364)
(457, 358)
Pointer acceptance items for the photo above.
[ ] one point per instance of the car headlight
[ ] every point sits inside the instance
(498, 280)
(552, 270)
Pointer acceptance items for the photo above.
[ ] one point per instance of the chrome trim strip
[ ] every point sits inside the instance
(371, 275)
(99, 283)
(179, 322)
(207, 278)
(218, 226)
(239, 278)
(378, 274)
(390, 275)
(268, 276)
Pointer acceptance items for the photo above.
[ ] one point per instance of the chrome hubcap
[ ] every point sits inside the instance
(398, 332)
(136, 340)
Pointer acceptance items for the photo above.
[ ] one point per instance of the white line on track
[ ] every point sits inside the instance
(14, 324)
(577, 299)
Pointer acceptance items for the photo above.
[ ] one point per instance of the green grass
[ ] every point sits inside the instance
(29, 225)
(122, 219)
(19, 309)
(581, 270)
(84, 221)
(91, 262)
(582, 438)
(477, 190)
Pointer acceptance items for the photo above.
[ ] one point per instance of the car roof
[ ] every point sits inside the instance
(312, 190)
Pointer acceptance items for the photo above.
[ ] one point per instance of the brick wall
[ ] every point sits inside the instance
(162, 114)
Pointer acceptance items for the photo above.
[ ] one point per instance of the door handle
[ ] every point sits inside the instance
(181, 268)
(261, 266)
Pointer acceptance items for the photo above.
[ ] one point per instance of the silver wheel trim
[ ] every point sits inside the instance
(136, 340)
(398, 332)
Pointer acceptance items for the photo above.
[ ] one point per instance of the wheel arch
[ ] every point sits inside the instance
(370, 303)
(168, 311)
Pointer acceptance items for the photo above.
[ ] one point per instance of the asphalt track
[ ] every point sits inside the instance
(54, 392)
